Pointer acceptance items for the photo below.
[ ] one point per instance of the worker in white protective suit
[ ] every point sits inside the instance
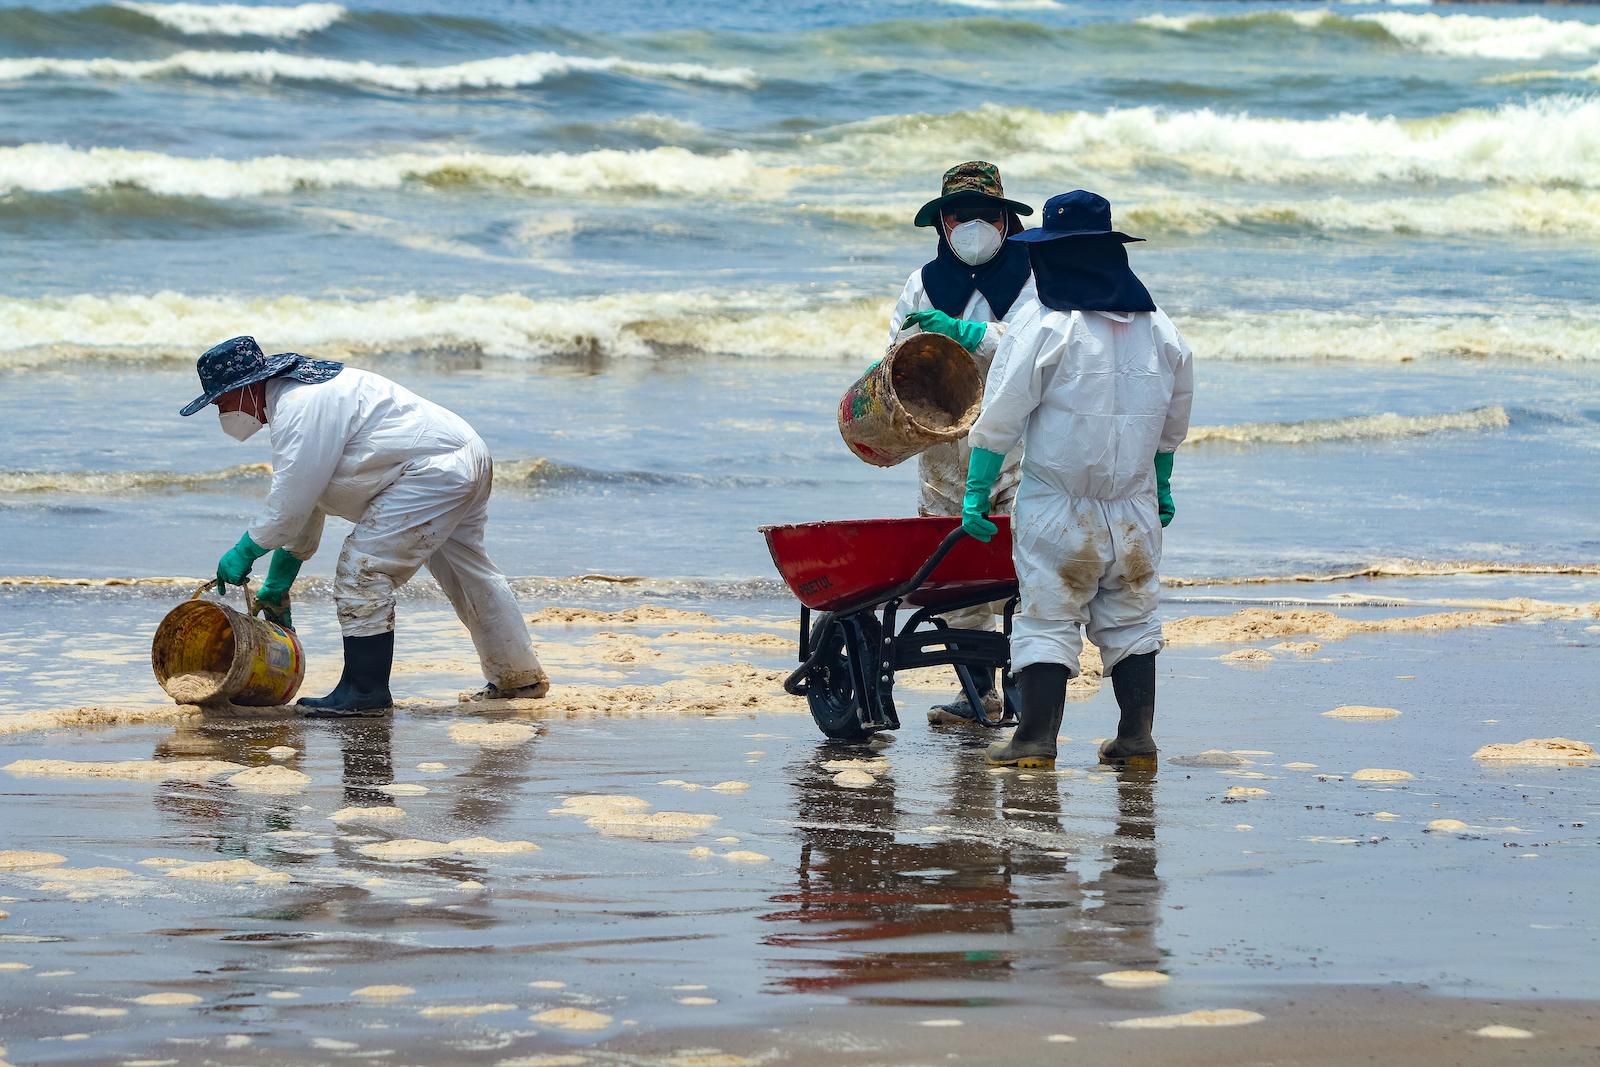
(972, 290)
(412, 476)
(1098, 384)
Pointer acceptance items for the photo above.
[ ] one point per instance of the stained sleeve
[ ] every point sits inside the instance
(1181, 359)
(310, 428)
(305, 543)
(1014, 386)
(912, 298)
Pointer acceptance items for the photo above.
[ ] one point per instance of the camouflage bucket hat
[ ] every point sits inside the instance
(976, 180)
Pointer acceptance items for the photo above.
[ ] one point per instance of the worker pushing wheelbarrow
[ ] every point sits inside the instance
(849, 572)
(1096, 384)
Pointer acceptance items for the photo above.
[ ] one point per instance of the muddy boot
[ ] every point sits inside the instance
(494, 692)
(1042, 694)
(959, 710)
(363, 688)
(1134, 681)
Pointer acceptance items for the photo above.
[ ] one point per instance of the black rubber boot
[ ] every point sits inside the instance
(1134, 681)
(1042, 694)
(959, 710)
(363, 688)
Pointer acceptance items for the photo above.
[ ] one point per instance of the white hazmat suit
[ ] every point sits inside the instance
(1093, 396)
(415, 479)
(942, 469)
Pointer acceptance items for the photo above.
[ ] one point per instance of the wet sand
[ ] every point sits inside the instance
(936, 910)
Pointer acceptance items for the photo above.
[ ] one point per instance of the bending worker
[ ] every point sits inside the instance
(1097, 383)
(415, 480)
(971, 291)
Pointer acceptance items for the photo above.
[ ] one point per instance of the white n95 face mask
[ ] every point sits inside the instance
(975, 242)
(239, 425)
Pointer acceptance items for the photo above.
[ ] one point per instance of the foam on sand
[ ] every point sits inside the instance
(500, 72)
(1258, 624)
(85, 874)
(382, 992)
(134, 770)
(1134, 979)
(743, 856)
(492, 734)
(403, 789)
(1246, 791)
(1537, 750)
(488, 845)
(1381, 774)
(366, 814)
(469, 1010)
(1203, 1017)
(1360, 711)
(274, 779)
(1502, 1031)
(238, 20)
(168, 1000)
(406, 848)
(220, 871)
(599, 803)
(572, 1019)
(12, 859)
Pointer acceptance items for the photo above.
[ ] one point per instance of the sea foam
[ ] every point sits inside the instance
(52, 168)
(239, 20)
(1478, 36)
(173, 326)
(1354, 428)
(501, 72)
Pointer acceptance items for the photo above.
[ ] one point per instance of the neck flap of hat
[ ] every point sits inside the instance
(1087, 274)
(949, 281)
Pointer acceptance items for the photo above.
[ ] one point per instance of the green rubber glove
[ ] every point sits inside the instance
(982, 470)
(274, 595)
(1164, 486)
(234, 566)
(968, 335)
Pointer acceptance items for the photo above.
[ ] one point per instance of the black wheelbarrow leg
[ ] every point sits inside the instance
(970, 688)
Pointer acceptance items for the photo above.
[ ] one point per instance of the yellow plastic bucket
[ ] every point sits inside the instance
(207, 653)
(924, 392)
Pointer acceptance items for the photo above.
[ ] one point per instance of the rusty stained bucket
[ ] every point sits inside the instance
(207, 653)
(925, 392)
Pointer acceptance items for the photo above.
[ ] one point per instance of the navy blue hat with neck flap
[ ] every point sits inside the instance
(1079, 262)
(1079, 213)
(239, 362)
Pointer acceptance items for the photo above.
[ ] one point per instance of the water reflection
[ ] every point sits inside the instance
(1002, 883)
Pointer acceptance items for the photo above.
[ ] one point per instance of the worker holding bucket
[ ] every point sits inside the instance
(977, 285)
(412, 476)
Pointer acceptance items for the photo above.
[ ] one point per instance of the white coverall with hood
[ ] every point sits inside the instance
(1093, 396)
(942, 469)
(415, 479)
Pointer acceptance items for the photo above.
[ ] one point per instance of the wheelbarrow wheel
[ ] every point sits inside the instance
(849, 649)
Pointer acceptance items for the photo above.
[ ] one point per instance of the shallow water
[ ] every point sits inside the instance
(941, 891)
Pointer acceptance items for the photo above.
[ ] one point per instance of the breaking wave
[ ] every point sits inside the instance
(238, 20)
(107, 483)
(1477, 36)
(501, 72)
(174, 326)
(53, 168)
(1553, 140)
(1357, 427)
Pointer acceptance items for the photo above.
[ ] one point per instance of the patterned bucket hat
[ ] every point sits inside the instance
(976, 180)
(239, 362)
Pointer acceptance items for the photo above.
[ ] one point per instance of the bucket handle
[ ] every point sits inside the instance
(251, 604)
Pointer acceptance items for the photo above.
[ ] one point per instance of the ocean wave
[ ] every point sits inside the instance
(1552, 140)
(238, 20)
(1476, 36)
(501, 72)
(1358, 427)
(109, 483)
(173, 326)
(1505, 211)
(53, 168)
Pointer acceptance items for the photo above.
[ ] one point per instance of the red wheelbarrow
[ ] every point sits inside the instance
(849, 571)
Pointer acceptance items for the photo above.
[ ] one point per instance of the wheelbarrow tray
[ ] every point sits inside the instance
(835, 566)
